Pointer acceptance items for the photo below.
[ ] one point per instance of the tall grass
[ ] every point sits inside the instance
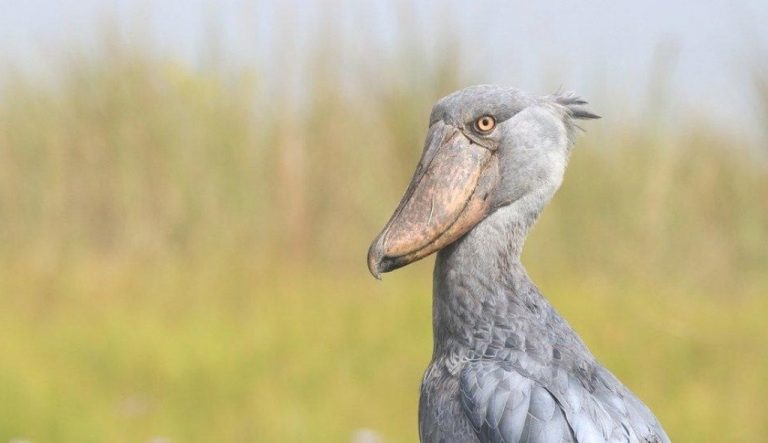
(183, 248)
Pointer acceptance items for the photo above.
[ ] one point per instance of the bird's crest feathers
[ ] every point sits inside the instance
(574, 105)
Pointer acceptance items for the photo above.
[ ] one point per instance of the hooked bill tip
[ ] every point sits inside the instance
(374, 260)
(379, 262)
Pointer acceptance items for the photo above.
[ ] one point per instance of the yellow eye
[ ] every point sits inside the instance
(485, 124)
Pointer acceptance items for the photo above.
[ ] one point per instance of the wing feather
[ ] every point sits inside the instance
(505, 404)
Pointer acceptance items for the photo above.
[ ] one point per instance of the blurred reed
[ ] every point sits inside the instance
(130, 155)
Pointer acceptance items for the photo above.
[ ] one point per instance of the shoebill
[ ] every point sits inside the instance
(505, 367)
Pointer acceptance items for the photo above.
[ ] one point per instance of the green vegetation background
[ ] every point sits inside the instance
(182, 253)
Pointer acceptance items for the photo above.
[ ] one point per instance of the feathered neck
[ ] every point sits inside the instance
(479, 281)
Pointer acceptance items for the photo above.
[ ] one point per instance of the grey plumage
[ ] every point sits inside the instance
(505, 366)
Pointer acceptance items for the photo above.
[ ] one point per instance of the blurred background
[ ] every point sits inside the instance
(188, 190)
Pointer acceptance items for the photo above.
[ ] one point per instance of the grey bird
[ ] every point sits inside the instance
(506, 367)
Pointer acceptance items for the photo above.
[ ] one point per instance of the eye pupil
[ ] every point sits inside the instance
(485, 123)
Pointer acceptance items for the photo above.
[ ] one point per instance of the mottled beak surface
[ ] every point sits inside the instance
(447, 196)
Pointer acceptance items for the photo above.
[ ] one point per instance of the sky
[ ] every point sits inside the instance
(708, 47)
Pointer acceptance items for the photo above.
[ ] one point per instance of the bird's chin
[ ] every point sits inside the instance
(448, 195)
